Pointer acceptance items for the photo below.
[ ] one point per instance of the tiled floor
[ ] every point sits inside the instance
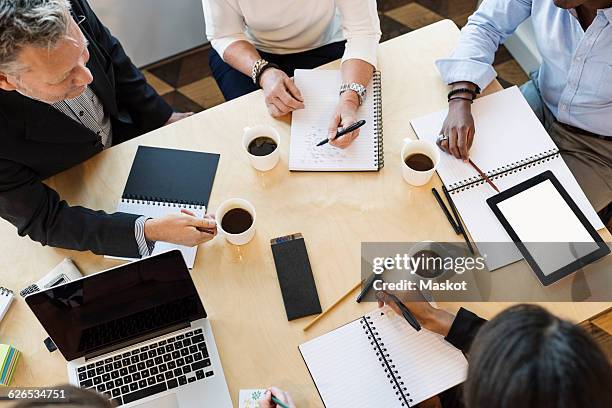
(186, 82)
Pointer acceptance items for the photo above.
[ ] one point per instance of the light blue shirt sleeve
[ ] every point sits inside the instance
(487, 28)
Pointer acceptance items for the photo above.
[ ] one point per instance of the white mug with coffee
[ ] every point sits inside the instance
(420, 158)
(261, 143)
(236, 221)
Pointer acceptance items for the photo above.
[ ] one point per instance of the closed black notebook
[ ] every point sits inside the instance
(171, 176)
(166, 181)
(295, 277)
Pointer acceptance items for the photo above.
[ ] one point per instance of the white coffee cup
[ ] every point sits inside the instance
(429, 149)
(261, 163)
(224, 208)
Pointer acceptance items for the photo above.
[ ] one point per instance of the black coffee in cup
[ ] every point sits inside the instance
(262, 146)
(236, 221)
(419, 162)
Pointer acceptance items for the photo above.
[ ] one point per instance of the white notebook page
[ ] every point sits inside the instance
(6, 298)
(309, 126)
(158, 210)
(507, 132)
(426, 363)
(347, 372)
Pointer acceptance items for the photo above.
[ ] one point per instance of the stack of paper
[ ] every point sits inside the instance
(9, 356)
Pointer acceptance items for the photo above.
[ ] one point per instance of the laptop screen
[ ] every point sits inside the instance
(114, 307)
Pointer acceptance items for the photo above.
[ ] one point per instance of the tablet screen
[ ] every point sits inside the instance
(547, 226)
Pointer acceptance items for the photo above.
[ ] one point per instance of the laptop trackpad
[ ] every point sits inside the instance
(167, 401)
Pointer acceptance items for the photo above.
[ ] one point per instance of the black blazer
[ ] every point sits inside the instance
(38, 141)
(464, 329)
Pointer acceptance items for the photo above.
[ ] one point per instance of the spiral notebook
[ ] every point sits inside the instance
(309, 126)
(510, 146)
(165, 181)
(379, 360)
(6, 298)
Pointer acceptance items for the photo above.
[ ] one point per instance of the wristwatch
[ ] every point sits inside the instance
(358, 88)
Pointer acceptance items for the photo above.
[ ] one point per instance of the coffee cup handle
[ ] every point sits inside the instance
(246, 129)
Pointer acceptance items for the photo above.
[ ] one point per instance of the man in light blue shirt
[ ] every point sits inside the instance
(571, 93)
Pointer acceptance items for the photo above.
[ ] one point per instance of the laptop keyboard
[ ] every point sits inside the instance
(151, 369)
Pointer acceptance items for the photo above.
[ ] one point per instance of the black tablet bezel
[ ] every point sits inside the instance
(569, 268)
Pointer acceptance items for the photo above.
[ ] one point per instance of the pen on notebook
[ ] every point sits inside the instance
(456, 217)
(484, 176)
(449, 217)
(279, 402)
(406, 313)
(343, 132)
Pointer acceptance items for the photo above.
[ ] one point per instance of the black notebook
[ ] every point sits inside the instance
(164, 181)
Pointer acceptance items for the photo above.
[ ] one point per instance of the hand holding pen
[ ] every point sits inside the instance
(339, 133)
(435, 320)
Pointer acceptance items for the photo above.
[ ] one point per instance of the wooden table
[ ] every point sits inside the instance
(335, 213)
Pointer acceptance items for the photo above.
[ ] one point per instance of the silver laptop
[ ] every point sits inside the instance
(137, 333)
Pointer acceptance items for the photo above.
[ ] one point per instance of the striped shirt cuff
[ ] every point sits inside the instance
(145, 247)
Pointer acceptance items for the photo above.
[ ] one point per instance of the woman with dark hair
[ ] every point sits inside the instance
(524, 357)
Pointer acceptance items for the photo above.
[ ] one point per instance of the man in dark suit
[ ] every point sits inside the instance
(68, 91)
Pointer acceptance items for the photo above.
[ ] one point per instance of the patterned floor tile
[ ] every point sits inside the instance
(160, 86)
(205, 92)
(414, 15)
(386, 5)
(512, 72)
(184, 70)
(181, 103)
(391, 28)
(450, 8)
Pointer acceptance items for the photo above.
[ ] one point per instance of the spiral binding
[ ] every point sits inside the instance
(146, 200)
(386, 362)
(5, 292)
(503, 171)
(379, 152)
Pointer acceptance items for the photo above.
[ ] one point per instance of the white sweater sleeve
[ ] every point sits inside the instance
(224, 23)
(361, 28)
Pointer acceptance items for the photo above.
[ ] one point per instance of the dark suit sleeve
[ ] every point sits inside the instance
(464, 329)
(37, 211)
(147, 109)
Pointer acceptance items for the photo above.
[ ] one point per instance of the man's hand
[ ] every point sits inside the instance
(458, 128)
(282, 396)
(176, 116)
(435, 320)
(282, 96)
(182, 228)
(345, 115)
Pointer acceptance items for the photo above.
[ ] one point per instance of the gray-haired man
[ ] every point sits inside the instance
(67, 91)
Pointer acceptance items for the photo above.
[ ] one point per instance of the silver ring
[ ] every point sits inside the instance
(442, 138)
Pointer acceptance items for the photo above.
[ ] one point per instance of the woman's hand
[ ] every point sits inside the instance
(345, 115)
(282, 96)
(279, 394)
(435, 320)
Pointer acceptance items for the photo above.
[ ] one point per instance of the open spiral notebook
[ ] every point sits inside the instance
(309, 126)
(510, 146)
(165, 181)
(383, 362)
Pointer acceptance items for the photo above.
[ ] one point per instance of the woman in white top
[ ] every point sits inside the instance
(259, 43)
